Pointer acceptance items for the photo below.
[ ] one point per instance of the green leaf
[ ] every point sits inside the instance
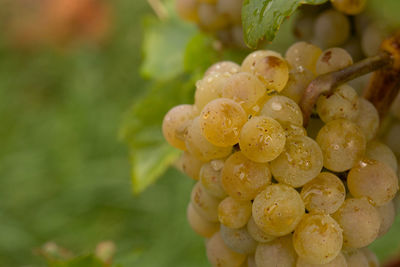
(200, 54)
(263, 18)
(150, 153)
(82, 261)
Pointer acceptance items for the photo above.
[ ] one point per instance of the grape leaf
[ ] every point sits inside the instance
(263, 18)
(150, 153)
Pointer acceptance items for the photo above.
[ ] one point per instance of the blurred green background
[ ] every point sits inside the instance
(65, 177)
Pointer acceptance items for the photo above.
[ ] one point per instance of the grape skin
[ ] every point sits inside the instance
(278, 209)
(239, 240)
(258, 234)
(221, 121)
(210, 19)
(333, 59)
(381, 152)
(372, 38)
(387, 213)
(374, 180)
(210, 178)
(220, 255)
(368, 119)
(210, 88)
(273, 71)
(342, 144)
(249, 63)
(350, 7)
(299, 163)
(360, 222)
(191, 165)
(356, 258)
(324, 194)
(204, 204)
(223, 67)
(339, 261)
(234, 213)
(318, 239)
(283, 109)
(297, 84)
(243, 179)
(262, 139)
(303, 55)
(371, 257)
(200, 225)
(279, 252)
(187, 9)
(233, 8)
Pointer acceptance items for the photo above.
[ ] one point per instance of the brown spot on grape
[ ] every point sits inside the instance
(327, 57)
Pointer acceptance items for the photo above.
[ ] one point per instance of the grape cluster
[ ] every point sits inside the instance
(341, 23)
(270, 192)
(221, 18)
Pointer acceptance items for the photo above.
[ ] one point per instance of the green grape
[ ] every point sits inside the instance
(187, 9)
(331, 28)
(174, 124)
(200, 225)
(381, 152)
(371, 257)
(293, 130)
(374, 180)
(273, 71)
(333, 59)
(342, 104)
(258, 234)
(283, 109)
(318, 239)
(219, 255)
(342, 144)
(303, 55)
(372, 38)
(249, 63)
(356, 258)
(191, 165)
(368, 119)
(387, 213)
(278, 210)
(279, 252)
(234, 213)
(210, 19)
(210, 88)
(349, 7)
(233, 8)
(262, 139)
(199, 147)
(360, 222)
(297, 84)
(222, 67)
(299, 163)
(204, 204)
(245, 89)
(324, 194)
(221, 121)
(244, 179)
(210, 178)
(339, 261)
(238, 240)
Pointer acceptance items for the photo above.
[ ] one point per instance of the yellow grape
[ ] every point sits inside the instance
(273, 71)
(238, 240)
(249, 62)
(333, 59)
(388, 214)
(292, 130)
(210, 178)
(283, 109)
(339, 261)
(349, 7)
(331, 28)
(234, 213)
(356, 258)
(222, 67)
(303, 55)
(205, 204)
(191, 165)
(381, 152)
(258, 234)
(200, 225)
(219, 255)
(210, 88)
(298, 81)
(371, 257)
(368, 119)
(187, 9)
(279, 252)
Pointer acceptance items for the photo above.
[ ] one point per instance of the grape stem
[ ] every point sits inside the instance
(326, 83)
(159, 9)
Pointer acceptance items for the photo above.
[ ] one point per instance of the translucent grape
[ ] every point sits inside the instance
(381, 152)
(342, 104)
(210, 88)
(360, 222)
(339, 261)
(175, 122)
(205, 204)
(210, 178)
(258, 234)
(262, 139)
(374, 180)
(303, 55)
(326, 28)
(210, 19)
(324, 194)
(356, 258)
(244, 179)
(187, 9)
(350, 7)
(245, 89)
(249, 62)
(222, 67)
(293, 130)
(200, 225)
(372, 38)
(388, 214)
(299, 163)
(283, 109)
(219, 255)
(191, 165)
(233, 8)
(333, 59)
(221, 121)
(279, 252)
(297, 84)
(342, 144)
(318, 239)
(368, 119)
(371, 257)
(238, 240)
(278, 209)
(273, 71)
(199, 147)
(234, 213)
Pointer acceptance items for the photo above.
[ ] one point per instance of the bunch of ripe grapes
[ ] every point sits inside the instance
(341, 23)
(221, 18)
(270, 192)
